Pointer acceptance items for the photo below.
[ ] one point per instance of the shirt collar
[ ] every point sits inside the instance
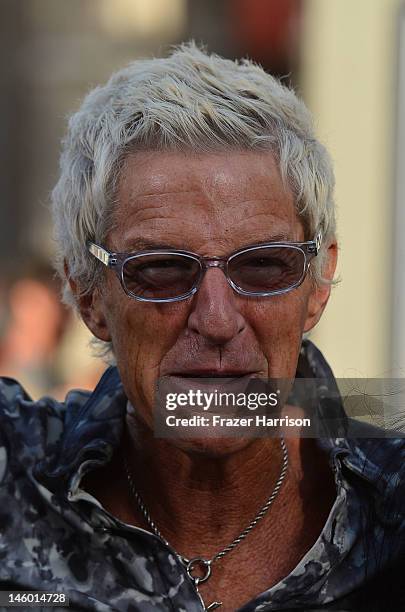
(93, 429)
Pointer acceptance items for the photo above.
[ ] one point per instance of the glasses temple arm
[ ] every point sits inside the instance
(318, 242)
(101, 254)
(315, 245)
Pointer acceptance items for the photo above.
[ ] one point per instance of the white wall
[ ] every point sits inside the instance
(349, 82)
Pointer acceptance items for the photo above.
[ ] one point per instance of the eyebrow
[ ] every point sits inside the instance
(276, 238)
(140, 244)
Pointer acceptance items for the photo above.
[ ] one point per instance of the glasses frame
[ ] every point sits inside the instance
(116, 262)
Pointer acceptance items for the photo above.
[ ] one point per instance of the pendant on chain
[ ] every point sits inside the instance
(213, 606)
(191, 565)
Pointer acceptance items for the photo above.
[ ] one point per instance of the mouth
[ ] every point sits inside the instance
(214, 374)
(209, 380)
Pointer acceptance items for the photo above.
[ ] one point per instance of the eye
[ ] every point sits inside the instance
(267, 269)
(160, 275)
(264, 262)
(162, 265)
(266, 265)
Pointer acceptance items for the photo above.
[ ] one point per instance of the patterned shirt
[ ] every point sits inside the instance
(57, 537)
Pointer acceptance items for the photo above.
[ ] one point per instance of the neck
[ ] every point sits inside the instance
(198, 497)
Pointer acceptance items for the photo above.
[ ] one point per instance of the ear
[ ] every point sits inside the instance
(90, 308)
(320, 293)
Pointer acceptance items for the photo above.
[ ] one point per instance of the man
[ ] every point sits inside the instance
(196, 235)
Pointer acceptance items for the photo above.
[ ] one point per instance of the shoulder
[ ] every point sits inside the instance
(376, 451)
(28, 428)
(379, 464)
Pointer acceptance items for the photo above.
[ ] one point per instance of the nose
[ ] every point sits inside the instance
(215, 314)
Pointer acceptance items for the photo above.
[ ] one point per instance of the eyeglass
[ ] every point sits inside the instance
(162, 275)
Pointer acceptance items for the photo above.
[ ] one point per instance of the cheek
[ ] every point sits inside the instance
(278, 325)
(142, 334)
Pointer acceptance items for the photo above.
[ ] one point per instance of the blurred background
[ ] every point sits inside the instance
(347, 60)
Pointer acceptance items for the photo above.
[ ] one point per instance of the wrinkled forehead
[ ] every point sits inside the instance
(232, 197)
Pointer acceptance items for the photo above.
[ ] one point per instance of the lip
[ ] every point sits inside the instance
(207, 381)
(211, 373)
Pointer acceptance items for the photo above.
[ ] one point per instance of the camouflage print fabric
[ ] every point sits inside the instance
(56, 537)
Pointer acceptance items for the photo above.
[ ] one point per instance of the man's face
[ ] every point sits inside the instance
(211, 204)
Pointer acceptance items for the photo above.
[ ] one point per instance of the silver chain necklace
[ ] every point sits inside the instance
(199, 562)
